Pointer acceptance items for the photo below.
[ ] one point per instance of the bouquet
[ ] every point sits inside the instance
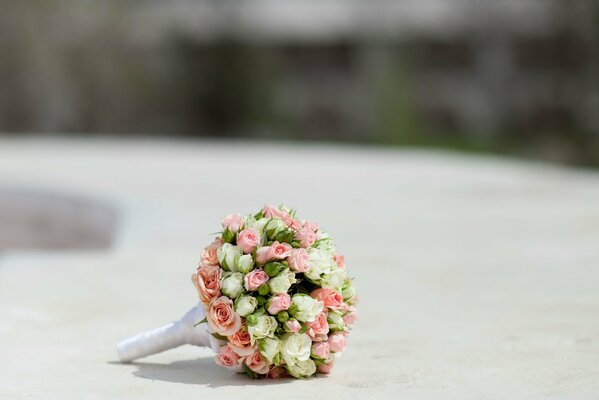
(276, 299)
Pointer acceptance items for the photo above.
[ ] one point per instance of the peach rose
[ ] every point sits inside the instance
(321, 350)
(318, 329)
(240, 342)
(221, 317)
(256, 363)
(299, 260)
(325, 368)
(278, 303)
(209, 254)
(306, 237)
(271, 212)
(254, 279)
(232, 221)
(338, 341)
(332, 299)
(207, 282)
(227, 358)
(339, 260)
(248, 239)
(351, 317)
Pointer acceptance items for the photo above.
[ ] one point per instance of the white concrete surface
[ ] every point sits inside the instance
(479, 277)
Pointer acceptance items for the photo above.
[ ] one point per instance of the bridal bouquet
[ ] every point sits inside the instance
(276, 295)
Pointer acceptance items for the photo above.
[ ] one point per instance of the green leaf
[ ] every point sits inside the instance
(218, 337)
(201, 322)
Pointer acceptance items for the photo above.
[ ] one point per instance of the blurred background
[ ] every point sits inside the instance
(516, 77)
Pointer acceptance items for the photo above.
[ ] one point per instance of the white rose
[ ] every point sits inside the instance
(302, 369)
(304, 308)
(335, 320)
(269, 348)
(295, 347)
(264, 326)
(348, 289)
(321, 262)
(232, 284)
(282, 282)
(227, 256)
(274, 226)
(334, 279)
(259, 225)
(246, 305)
(245, 264)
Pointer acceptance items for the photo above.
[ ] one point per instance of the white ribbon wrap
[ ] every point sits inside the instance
(168, 337)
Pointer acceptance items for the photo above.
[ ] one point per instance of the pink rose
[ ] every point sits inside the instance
(276, 373)
(290, 222)
(351, 317)
(293, 325)
(273, 252)
(311, 225)
(209, 254)
(227, 358)
(325, 368)
(331, 298)
(339, 260)
(240, 342)
(321, 350)
(318, 329)
(256, 363)
(278, 303)
(207, 282)
(232, 221)
(248, 239)
(221, 317)
(306, 237)
(255, 279)
(271, 212)
(337, 342)
(299, 260)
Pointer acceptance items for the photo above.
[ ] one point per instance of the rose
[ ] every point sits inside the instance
(330, 298)
(221, 317)
(338, 342)
(318, 329)
(265, 326)
(321, 262)
(282, 282)
(306, 237)
(302, 369)
(255, 279)
(299, 260)
(256, 363)
(241, 342)
(351, 317)
(347, 289)
(227, 358)
(271, 211)
(339, 259)
(336, 321)
(207, 282)
(292, 326)
(295, 347)
(248, 239)
(274, 227)
(321, 350)
(278, 303)
(209, 254)
(228, 255)
(311, 226)
(269, 348)
(304, 308)
(245, 305)
(334, 279)
(245, 264)
(290, 222)
(325, 368)
(276, 373)
(257, 225)
(232, 284)
(275, 251)
(232, 222)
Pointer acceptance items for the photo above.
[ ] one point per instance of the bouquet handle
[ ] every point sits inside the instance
(167, 337)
